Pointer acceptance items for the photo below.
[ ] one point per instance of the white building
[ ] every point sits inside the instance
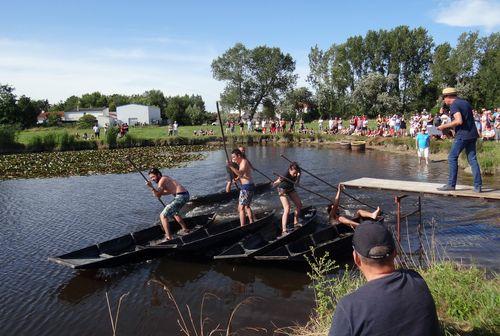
(133, 114)
(102, 115)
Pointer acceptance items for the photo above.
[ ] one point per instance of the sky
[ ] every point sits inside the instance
(55, 49)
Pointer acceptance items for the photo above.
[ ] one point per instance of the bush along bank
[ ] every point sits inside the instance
(488, 152)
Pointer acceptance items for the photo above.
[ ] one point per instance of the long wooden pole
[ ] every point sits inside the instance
(224, 143)
(143, 176)
(329, 184)
(301, 187)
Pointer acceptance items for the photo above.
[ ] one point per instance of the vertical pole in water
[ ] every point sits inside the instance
(419, 229)
(397, 199)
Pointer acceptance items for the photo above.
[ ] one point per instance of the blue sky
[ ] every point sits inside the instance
(54, 49)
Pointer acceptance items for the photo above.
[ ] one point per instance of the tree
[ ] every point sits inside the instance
(9, 111)
(253, 75)
(28, 112)
(372, 95)
(268, 109)
(232, 67)
(196, 115)
(297, 101)
(95, 99)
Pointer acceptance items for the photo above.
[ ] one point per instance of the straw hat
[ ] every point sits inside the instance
(449, 91)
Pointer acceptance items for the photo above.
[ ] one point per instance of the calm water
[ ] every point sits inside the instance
(46, 217)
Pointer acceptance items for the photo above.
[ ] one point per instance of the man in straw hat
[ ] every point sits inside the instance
(465, 138)
(392, 302)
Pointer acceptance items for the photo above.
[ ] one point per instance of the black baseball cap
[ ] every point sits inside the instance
(373, 240)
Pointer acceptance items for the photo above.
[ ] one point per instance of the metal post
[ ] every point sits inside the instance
(397, 200)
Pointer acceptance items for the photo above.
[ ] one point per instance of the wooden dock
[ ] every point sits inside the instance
(421, 188)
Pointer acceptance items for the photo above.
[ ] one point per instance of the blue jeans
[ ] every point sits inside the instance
(470, 149)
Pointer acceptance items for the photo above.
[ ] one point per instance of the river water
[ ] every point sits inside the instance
(47, 217)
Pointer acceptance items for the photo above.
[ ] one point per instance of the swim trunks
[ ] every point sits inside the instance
(175, 206)
(246, 194)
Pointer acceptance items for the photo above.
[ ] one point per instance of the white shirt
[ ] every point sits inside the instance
(176, 125)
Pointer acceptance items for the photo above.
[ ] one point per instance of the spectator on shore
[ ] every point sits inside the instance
(175, 128)
(97, 131)
(497, 128)
(320, 123)
(392, 302)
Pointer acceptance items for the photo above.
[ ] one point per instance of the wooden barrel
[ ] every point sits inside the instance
(358, 145)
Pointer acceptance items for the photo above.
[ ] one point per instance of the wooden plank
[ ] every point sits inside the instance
(421, 187)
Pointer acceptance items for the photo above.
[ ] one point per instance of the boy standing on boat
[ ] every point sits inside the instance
(244, 173)
(169, 186)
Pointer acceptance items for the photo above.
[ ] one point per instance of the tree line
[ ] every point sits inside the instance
(386, 71)
(23, 111)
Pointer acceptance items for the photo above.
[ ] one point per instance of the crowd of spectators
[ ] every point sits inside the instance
(395, 125)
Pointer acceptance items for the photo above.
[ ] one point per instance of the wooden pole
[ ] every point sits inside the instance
(143, 176)
(224, 143)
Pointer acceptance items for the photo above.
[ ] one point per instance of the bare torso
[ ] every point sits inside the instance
(168, 186)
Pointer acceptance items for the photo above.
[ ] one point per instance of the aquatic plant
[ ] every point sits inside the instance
(86, 162)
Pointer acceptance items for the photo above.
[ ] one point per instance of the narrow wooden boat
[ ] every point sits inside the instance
(224, 196)
(270, 238)
(128, 248)
(217, 236)
(334, 239)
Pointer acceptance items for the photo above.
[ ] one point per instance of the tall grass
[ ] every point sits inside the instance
(8, 135)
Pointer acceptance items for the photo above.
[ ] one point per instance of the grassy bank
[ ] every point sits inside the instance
(64, 139)
(467, 300)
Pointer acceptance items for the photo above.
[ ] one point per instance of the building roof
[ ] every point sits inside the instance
(90, 109)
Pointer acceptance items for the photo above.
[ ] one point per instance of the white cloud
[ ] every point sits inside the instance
(470, 13)
(56, 71)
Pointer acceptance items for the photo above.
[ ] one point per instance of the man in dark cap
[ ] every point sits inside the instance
(392, 302)
(465, 138)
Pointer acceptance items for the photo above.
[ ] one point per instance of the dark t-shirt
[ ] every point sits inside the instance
(397, 304)
(287, 185)
(467, 130)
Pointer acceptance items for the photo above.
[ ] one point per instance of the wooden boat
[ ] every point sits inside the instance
(345, 145)
(128, 248)
(224, 196)
(334, 239)
(217, 236)
(358, 145)
(268, 239)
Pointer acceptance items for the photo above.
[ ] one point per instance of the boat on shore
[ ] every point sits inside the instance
(129, 248)
(270, 238)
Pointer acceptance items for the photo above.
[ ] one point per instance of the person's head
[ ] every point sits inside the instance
(154, 174)
(374, 248)
(294, 169)
(242, 150)
(422, 130)
(237, 156)
(449, 95)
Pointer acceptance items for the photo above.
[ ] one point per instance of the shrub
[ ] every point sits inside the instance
(35, 144)
(49, 141)
(111, 136)
(67, 141)
(86, 121)
(7, 137)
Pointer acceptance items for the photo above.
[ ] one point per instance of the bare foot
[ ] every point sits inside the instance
(376, 213)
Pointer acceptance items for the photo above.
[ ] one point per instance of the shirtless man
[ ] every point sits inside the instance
(244, 173)
(233, 178)
(336, 218)
(169, 186)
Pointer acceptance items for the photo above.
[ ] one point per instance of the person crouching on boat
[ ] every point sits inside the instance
(244, 173)
(286, 190)
(335, 217)
(169, 186)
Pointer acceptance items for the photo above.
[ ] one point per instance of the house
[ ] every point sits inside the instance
(102, 115)
(43, 116)
(133, 114)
